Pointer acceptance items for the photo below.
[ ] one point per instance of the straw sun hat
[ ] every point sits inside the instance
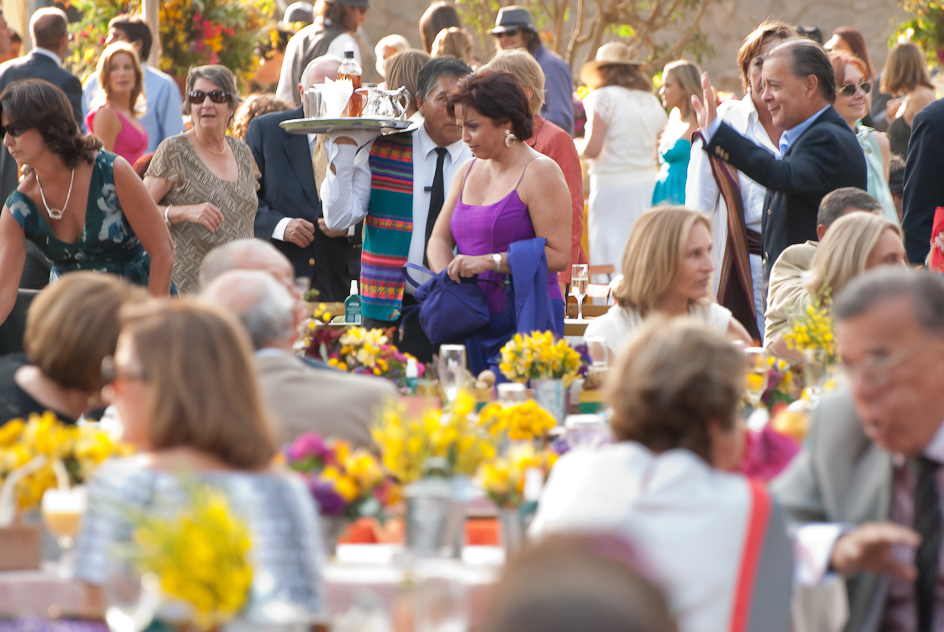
(612, 54)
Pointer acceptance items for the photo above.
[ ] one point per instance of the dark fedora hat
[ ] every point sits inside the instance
(352, 3)
(511, 19)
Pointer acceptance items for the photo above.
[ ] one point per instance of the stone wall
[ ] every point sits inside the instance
(726, 23)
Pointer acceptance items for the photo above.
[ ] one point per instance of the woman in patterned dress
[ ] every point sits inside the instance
(203, 180)
(85, 208)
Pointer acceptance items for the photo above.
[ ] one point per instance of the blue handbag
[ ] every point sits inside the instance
(449, 311)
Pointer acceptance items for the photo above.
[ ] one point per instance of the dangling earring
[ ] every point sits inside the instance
(509, 138)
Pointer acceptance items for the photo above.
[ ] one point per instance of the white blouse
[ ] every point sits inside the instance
(634, 119)
(616, 325)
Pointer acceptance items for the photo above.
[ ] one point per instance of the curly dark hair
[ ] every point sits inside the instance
(37, 104)
(498, 95)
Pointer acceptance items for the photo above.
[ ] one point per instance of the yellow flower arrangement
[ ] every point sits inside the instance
(408, 441)
(200, 556)
(538, 356)
(503, 478)
(80, 448)
(522, 422)
(813, 327)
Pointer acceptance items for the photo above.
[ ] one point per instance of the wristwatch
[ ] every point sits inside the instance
(496, 259)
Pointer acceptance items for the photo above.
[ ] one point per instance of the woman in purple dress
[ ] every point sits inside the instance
(499, 203)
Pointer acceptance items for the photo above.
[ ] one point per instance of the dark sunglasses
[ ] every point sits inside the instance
(849, 89)
(111, 373)
(12, 131)
(509, 33)
(217, 96)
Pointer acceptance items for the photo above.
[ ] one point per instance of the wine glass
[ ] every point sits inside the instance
(757, 374)
(596, 347)
(451, 369)
(511, 394)
(62, 510)
(579, 279)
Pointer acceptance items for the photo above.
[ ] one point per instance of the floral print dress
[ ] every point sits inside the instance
(107, 243)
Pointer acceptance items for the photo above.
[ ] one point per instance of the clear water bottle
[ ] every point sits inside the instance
(352, 306)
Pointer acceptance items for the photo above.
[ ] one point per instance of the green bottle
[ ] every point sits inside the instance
(352, 306)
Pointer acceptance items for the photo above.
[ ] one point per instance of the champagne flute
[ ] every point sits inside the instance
(451, 369)
(579, 279)
(62, 510)
(511, 394)
(599, 355)
(757, 374)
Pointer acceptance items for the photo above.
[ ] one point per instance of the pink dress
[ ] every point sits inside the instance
(131, 143)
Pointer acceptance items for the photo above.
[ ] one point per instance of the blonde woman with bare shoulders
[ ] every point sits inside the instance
(667, 268)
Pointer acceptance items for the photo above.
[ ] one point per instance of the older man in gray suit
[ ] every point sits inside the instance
(865, 493)
(302, 398)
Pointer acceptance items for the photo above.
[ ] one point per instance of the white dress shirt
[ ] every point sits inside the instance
(48, 53)
(701, 190)
(345, 193)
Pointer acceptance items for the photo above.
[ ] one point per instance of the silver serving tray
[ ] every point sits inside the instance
(323, 126)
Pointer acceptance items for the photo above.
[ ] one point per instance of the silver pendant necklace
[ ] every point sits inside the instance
(55, 213)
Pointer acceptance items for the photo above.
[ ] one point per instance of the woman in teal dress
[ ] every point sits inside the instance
(85, 208)
(680, 80)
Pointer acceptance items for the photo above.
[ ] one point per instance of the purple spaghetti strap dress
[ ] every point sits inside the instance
(487, 229)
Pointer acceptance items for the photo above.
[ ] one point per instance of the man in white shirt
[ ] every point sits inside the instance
(395, 184)
(163, 117)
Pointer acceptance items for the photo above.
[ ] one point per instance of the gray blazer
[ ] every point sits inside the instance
(332, 403)
(841, 476)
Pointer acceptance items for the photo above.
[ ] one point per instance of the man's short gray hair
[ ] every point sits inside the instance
(319, 68)
(923, 289)
(234, 255)
(263, 305)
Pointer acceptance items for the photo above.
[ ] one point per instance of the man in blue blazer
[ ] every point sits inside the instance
(289, 214)
(819, 151)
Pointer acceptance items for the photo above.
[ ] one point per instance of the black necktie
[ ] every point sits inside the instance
(927, 522)
(437, 195)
